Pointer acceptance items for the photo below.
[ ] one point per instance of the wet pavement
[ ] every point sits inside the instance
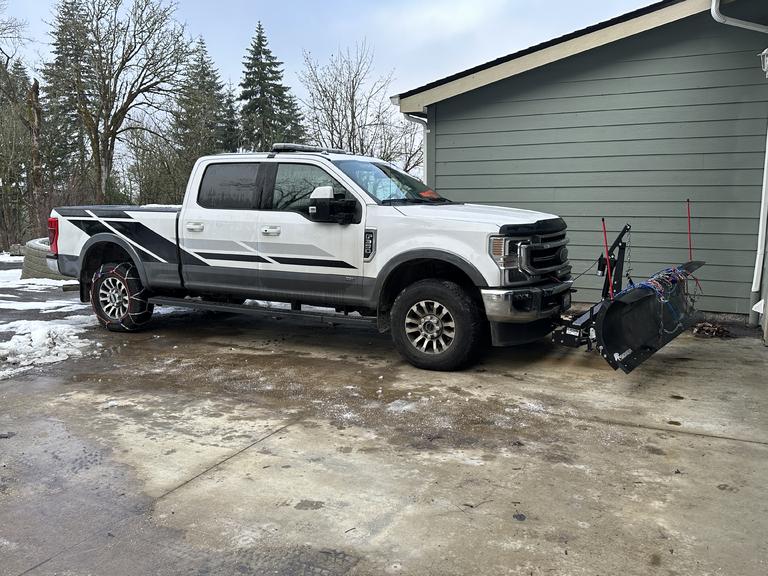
(223, 444)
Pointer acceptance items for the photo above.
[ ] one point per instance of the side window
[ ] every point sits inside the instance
(295, 182)
(230, 186)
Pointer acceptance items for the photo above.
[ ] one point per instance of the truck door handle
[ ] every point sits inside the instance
(195, 226)
(270, 230)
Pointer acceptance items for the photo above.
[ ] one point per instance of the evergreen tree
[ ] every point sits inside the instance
(290, 121)
(270, 112)
(65, 142)
(198, 121)
(19, 80)
(229, 138)
(15, 151)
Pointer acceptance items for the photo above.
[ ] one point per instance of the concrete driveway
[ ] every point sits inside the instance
(217, 444)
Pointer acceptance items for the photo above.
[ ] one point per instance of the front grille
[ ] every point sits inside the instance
(539, 252)
(545, 254)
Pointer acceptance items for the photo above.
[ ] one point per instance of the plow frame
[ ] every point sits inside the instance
(580, 331)
(623, 342)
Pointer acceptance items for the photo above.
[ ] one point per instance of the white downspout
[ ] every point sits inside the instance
(760, 254)
(425, 126)
(757, 278)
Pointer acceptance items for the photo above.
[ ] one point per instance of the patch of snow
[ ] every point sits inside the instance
(13, 274)
(533, 406)
(9, 296)
(116, 404)
(38, 342)
(7, 258)
(12, 279)
(400, 406)
(49, 306)
(165, 310)
(7, 544)
(304, 307)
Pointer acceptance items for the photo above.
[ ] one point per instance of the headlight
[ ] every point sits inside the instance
(504, 251)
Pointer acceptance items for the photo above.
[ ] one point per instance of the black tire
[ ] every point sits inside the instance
(433, 346)
(127, 313)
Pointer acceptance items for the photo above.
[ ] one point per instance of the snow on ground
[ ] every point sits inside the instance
(11, 279)
(38, 342)
(29, 343)
(7, 258)
(287, 306)
(46, 307)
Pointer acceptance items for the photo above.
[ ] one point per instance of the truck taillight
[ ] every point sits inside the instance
(53, 234)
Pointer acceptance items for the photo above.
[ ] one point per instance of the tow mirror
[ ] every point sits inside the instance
(324, 207)
(320, 204)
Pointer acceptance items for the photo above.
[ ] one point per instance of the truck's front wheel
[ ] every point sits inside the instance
(119, 299)
(436, 325)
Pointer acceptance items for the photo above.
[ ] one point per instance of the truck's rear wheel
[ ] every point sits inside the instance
(119, 299)
(436, 325)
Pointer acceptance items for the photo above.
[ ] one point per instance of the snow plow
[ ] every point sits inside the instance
(631, 324)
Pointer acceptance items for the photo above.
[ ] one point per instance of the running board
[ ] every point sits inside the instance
(326, 318)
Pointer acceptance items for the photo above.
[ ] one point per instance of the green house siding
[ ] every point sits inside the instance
(628, 132)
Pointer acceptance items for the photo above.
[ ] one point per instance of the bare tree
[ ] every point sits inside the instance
(11, 29)
(130, 57)
(346, 107)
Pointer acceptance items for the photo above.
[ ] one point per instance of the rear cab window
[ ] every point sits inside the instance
(230, 186)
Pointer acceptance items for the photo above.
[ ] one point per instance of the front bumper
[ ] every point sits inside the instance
(526, 304)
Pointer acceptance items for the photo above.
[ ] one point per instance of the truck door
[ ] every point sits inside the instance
(218, 229)
(317, 262)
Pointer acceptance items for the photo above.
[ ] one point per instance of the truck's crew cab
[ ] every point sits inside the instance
(309, 226)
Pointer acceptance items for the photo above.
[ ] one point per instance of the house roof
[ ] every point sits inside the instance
(415, 101)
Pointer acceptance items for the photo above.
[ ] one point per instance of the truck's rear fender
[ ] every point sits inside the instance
(103, 248)
(415, 265)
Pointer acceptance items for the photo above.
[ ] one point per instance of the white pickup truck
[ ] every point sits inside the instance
(317, 227)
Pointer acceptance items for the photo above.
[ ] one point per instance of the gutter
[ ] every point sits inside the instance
(754, 317)
(727, 20)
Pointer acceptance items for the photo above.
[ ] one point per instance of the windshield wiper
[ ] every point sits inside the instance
(390, 201)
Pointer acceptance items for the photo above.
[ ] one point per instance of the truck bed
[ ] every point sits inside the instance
(113, 210)
(148, 233)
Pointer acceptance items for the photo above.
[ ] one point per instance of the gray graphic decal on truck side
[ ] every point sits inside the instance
(311, 262)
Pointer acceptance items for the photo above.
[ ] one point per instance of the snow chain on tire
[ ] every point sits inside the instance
(138, 310)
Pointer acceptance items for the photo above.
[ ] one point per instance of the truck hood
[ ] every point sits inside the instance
(478, 213)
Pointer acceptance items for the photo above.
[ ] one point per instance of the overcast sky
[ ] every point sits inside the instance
(417, 40)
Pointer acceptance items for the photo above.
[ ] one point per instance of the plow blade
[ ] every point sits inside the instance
(645, 317)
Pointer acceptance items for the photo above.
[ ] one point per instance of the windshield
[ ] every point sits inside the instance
(387, 184)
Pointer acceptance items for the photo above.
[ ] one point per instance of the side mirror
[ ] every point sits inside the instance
(324, 207)
(320, 204)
